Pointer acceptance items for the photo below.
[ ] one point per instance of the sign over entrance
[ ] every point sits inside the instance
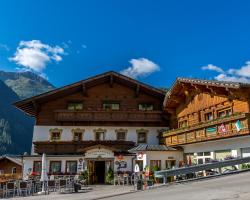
(99, 153)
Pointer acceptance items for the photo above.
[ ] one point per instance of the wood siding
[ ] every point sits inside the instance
(194, 110)
(93, 99)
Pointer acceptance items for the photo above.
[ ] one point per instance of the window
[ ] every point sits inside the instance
(99, 136)
(155, 164)
(209, 116)
(111, 106)
(55, 167)
(170, 164)
(37, 166)
(140, 164)
(13, 170)
(142, 137)
(146, 106)
(75, 106)
(121, 136)
(71, 167)
(55, 136)
(77, 136)
(224, 113)
(183, 124)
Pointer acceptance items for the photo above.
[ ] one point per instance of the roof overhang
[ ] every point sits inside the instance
(184, 87)
(31, 105)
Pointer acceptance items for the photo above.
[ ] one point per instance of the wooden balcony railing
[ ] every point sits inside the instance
(202, 131)
(71, 147)
(107, 116)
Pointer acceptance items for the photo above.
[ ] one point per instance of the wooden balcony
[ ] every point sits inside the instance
(108, 116)
(71, 147)
(200, 133)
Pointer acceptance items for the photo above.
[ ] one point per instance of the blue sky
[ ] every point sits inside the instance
(153, 41)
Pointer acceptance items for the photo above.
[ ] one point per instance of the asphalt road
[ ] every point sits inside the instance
(230, 187)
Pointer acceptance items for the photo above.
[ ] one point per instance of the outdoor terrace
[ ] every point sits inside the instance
(110, 116)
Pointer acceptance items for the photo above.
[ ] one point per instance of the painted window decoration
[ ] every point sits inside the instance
(142, 137)
(99, 136)
(71, 167)
(146, 106)
(183, 124)
(77, 137)
(155, 164)
(238, 125)
(111, 106)
(55, 134)
(37, 166)
(55, 167)
(224, 113)
(121, 134)
(209, 116)
(75, 106)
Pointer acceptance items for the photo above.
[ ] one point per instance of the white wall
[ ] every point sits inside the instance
(41, 133)
(28, 162)
(233, 144)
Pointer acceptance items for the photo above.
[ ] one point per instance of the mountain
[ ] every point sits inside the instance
(16, 128)
(25, 84)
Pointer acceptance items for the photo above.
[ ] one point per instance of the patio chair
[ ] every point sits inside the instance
(23, 188)
(10, 189)
(51, 185)
(62, 184)
(126, 179)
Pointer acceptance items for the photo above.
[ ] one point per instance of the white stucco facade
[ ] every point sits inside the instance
(236, 147)
(42, 133)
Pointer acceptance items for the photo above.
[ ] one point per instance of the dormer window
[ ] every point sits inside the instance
(145, 106)
(75, 106)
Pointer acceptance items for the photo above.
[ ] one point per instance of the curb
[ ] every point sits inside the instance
(115, 195)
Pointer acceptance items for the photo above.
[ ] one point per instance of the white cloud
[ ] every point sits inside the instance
(234, 75)
(141, 67)
(212, 68)
(35, 55)
(224, 77)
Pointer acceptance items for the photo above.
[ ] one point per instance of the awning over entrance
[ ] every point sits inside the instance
(148, 147)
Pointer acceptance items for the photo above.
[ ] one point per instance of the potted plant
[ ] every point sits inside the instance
(109, 176)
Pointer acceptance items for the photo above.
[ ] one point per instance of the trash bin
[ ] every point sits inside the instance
(139, 185)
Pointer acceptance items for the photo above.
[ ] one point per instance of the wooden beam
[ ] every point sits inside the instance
(84, 89)
(111, 81)
(137, 90)
(35, 105)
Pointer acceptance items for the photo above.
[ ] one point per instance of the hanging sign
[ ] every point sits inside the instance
(238, 125)
(99, 153)
(140, 156)
(137, 168)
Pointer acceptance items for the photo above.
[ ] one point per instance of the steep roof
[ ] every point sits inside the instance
(29, 105)
(13, 159)
(213, 87)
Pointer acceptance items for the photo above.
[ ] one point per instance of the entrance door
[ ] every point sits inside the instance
(100, 171)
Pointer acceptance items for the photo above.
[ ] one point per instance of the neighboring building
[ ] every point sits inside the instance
(10, 165)
(93, 123)
(209, 119)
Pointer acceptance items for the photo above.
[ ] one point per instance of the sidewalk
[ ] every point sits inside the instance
(97, 192)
